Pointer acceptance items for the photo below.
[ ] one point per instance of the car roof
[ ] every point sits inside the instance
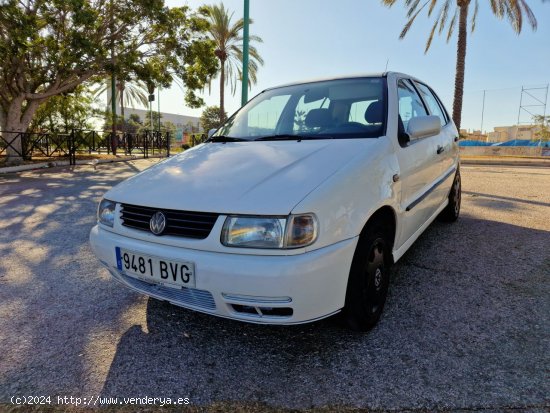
(354, 76)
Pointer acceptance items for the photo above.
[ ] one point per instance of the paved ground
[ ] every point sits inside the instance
(466, 326)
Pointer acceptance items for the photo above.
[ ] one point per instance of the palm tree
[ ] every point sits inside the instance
(228, 39)
(128, 93)
(513, 10)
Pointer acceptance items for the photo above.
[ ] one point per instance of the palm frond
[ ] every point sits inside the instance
(444, 15)
(227, 35)
(452, 25)
(411, 21)
(430, 37)
(474, 16)
(515, 11)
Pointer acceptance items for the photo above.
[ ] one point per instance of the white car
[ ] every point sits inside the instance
(294, 209)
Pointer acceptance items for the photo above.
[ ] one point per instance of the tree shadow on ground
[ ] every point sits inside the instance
(55, 299)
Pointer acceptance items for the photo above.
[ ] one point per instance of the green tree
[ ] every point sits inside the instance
(128, 93)
(228, 39)
(456, 12)
(543, 130)
(146, 124)
(211, 119)
(50, 47)
(67, 111)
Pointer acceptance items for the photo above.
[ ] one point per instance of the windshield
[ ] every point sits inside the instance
(335, 109)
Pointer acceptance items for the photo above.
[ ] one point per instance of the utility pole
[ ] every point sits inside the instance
(482, 112)
(158, 105)
(246, 40)
(113, 87)
(151, 90)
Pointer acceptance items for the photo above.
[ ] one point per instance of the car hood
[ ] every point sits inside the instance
(267, 178)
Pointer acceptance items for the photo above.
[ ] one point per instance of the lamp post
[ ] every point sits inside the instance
(113, 108)
(113, 88)
(158, 103)
(246, 39)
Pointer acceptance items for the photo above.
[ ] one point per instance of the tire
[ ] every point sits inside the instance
(452, 210)
(368, 279)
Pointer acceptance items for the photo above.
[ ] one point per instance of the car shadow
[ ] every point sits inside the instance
(455, 314)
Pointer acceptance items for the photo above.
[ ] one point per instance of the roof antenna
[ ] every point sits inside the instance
(387, 62)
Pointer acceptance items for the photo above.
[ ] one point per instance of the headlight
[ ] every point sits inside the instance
(106, 212)
(294, 231)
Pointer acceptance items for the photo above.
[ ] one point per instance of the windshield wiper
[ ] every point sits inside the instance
(289, 137)
(222, 138)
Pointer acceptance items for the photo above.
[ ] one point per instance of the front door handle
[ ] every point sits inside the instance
(440, 150)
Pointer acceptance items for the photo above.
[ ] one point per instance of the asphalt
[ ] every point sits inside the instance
(465, 328)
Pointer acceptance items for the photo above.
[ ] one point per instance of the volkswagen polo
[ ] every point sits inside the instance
(294, 209)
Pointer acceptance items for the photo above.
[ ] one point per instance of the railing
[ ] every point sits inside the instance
(57, 144)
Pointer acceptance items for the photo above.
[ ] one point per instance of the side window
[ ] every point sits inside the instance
(432, 102)
(410, 104)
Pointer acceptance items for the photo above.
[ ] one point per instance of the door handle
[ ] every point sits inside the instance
(440, 150)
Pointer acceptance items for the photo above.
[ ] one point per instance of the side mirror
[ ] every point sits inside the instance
(423, 127)
(211, 132)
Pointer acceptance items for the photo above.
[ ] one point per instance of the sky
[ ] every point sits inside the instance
(305, 39)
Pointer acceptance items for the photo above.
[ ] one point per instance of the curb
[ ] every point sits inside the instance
(48, 165)
(504, 162)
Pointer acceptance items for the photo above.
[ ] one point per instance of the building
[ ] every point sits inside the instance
(508, 133)
(182, 122)
(476, 135)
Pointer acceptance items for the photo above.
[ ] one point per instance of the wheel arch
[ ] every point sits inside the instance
(388, 217)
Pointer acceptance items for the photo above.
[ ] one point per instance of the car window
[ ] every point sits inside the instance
(432, 102)
(410, 104)
(263, 118)
(313, 110)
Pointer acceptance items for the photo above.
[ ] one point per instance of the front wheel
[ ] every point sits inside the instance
(368, 280)
(452, 210)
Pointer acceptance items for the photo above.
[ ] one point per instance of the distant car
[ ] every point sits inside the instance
(294, 209)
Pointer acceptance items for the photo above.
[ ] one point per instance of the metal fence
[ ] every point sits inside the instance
(70, 144)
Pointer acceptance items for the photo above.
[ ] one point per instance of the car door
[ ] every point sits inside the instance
(419, 167)
(446, 148)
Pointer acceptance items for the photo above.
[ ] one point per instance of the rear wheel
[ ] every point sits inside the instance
(452, 210)
(368, 280)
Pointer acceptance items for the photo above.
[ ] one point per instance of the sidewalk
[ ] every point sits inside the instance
(53, 164)
(505, 160)
(465, 160)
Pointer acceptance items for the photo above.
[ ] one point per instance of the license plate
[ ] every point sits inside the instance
(154, 269)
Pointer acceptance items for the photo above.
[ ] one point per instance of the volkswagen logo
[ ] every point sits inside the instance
(157, 223)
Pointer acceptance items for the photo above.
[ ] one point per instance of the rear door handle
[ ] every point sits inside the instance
(440, 150)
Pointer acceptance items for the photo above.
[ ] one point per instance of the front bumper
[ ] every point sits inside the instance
(267, 289)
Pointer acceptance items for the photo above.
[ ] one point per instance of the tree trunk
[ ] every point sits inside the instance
(2, 119)
(122, 109)
(222, 91)
(12, 130)
(15, 125)
(460, 62)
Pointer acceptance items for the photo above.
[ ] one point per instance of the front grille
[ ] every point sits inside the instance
(179, 223)
(184, 296)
